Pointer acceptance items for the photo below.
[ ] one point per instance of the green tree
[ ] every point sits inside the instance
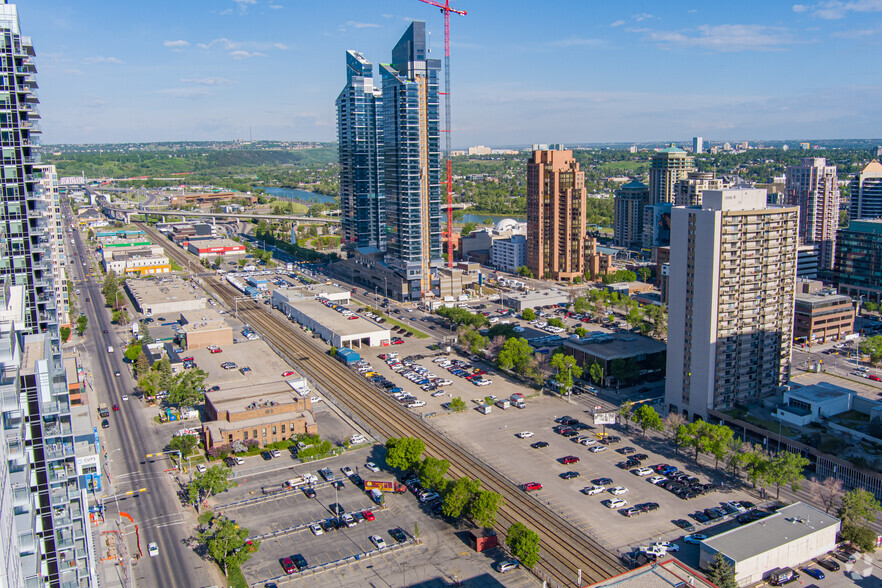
(555, 322)
(721, 572)
(580, 331)
(187, 388)
(528, 314)
(468, 228)
(471, 339)
(184, 443)
(65, 333)
(580, 305)
(756, 465)
(218, 261)
(225, 543)
(567, 371)
(163, 366)
(149, 382)
(645, 273)
(515, 355)
(626, 412)
(431, 472)
(212, 481)
(133, 352)
(457, 404)
(144, 333)
(525, 272)
(859, 507)
(81, 324)
(404, 453)
(457, 495)
(719, 437)
(872, 346)
(484, 507)
(596, 373)
(648, 419)
(524, 544)
(864, 538)
(786, 468)
(142, 364)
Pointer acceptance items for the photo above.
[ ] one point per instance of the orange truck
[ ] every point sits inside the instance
(385, 486)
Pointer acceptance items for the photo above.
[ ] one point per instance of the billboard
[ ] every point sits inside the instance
(605, 418)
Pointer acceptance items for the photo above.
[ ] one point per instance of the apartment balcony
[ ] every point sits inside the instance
(58, 451)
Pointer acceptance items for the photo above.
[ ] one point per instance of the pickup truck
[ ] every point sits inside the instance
(103, 411)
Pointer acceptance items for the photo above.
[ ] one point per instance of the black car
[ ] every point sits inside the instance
(338, 484)
(105, 424)
(266, 455)
(569, 475)
(398, 535)
(310, 493)
(640, 457)
(648, 506)
(327, 527)
(356, 480)
(336, 508)
(685, 525)
(829, 564)
(626, 450)
(712, 514)
(602, 481)
(539, 445)
(700, 517)
(337, 523)
(300, 562)
(570, 433)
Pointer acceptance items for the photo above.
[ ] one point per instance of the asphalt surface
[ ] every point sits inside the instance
(157, 511)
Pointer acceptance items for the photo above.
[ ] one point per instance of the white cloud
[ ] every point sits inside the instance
(643, 16)
(281, 46)
(90, 60)
(726, 38)
(800, 8)
(857, 33)
(226, 12)
(241, 54)
(210, 81)
(362, 25)
(225, 43)
(617, 23)
(175, 44)
(245, 2)
(838, 9)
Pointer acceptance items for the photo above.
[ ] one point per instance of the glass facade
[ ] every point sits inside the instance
(858, 267)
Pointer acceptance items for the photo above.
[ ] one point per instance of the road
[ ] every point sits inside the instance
(157, 511)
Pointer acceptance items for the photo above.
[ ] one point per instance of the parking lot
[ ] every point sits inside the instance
(281, 522)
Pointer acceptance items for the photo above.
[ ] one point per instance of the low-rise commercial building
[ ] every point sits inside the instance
(168, 295)
(311, 292)
(333, 327)
(211, 197)
(823, 317)
(792, 536)
(267, 412)
(149, 260)
(211, 248)
(801, 405)
(205, 327)
(535, 299)
(618, 354)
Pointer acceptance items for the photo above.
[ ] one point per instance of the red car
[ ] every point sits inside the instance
(288, 373)
(116, 407)
(368, 515)
(569, 459)
(216, 350)
(397, 341)
(875, 378)
(287, 565)
(531, 486)
(187, 359)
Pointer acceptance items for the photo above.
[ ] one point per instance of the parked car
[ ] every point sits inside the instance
(506, 565)
(694, 539)
(539, 445)
(378, 541)
(592, 490)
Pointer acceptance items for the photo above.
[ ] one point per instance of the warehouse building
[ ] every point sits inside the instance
(535, 299)
(143, 260)
(282, 296)
(211, 248)
(790, 537)
(159, 296)
(332, 326)
(202, 328)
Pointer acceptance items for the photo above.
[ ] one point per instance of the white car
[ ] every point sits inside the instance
(429, 496)
(438, 393)
(597, 448)
(125, 397)
(524, 434)
(588, 441)
(656, 479)
(238, 460)
(371, 466)
(377, 541)
(616, 503)
(347, 471)
(316, 529)
(153, 549)
(201, 468)
(643, 471)
(616, 490)
(416, 404)
(482, 382)
(592, 490)
(666, 546)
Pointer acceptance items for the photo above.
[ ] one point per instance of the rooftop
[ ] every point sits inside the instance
(266, 366)
(34, 349)
(538, 295)
(309, 291)
(216, 427)
(668, 573)
(204, 319)
(210, 243)
(609, 346)
(249, 396)
(151, 291)
(335, 321)
(820, 392)
(789, 524)
(823, 298)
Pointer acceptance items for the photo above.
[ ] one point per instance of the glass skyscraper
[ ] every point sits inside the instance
(412, 160)
(360, 135)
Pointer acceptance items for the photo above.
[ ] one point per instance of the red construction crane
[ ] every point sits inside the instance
(446, 10)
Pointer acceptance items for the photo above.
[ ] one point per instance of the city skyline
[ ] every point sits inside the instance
(266, 69)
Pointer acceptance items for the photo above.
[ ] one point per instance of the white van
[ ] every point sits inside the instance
(110, 349)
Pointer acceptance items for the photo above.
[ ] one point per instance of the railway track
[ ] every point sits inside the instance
(565, 549)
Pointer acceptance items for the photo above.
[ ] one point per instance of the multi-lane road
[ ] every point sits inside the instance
(157, 511)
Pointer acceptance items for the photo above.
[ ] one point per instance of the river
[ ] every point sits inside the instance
(299, 195)
(480, 218)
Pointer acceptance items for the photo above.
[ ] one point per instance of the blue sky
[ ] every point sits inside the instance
(523, 72)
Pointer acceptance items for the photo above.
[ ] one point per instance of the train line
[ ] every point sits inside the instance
(564, 549)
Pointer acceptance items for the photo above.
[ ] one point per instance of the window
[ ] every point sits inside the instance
(274, 429)
(245, 435)
(264, 431)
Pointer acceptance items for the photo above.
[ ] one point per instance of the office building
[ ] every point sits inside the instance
(48, 189)
(360, 136)
(822, 316)
(697, 144)
(731, 293)
(50, 539)
(688, 190)
(556, 222)
(866, 192)
(630, 200)
(510, 253)
(666, 167)
(812, 187)
(412, 161)
(858, 264)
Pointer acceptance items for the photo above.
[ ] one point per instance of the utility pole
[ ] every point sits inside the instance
(446, 10)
